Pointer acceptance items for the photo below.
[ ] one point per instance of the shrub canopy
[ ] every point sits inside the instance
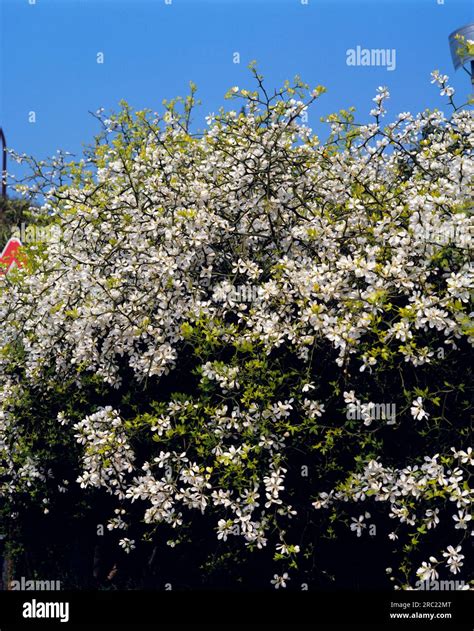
(250, 342)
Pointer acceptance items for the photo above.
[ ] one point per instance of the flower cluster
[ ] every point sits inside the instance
(205, 404)
(407, 493)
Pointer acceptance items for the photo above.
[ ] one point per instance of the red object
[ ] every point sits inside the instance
(10, 256)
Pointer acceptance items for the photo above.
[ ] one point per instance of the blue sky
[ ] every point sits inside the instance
(152, 49)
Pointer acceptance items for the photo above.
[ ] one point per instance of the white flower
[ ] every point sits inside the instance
(62, 420)
(454, 558)
(447, 91)
(224, 528)
(417, 410)
(432, 519)
(427, 572)
(280, 581)
(461, 497)
(162, 459)
(358, 524)
(127, 544)
(349, 397)
(284, 549)
(461, 520)
(466, 457)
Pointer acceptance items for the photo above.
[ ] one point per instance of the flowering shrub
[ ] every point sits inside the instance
(139, 381)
